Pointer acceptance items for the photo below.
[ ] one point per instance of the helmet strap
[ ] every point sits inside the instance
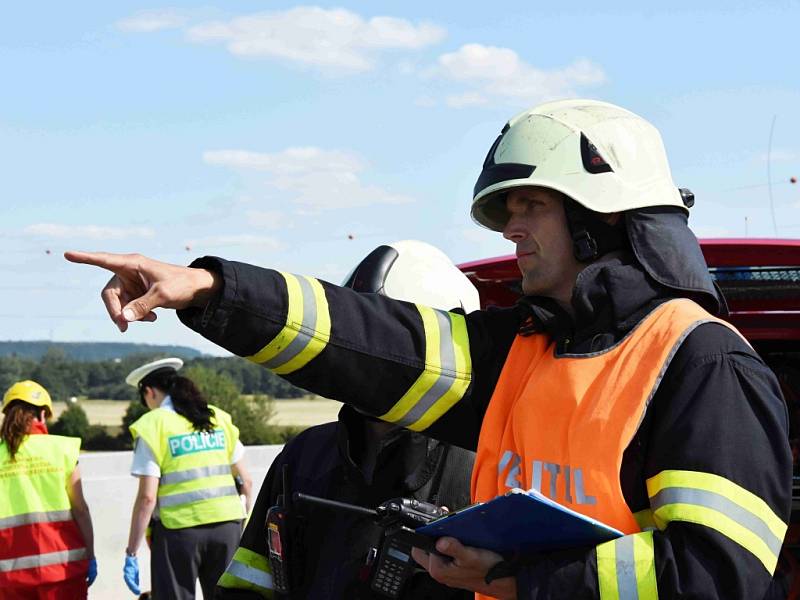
(592, 236)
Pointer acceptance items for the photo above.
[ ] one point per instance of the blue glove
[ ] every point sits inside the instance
(130, 572)
(91, 575)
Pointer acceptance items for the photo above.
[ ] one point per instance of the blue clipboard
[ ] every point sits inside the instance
(520, 521)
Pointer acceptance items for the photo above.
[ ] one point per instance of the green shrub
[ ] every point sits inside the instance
(98, 438)
(72, 422)
(135, 409)
(251, 415)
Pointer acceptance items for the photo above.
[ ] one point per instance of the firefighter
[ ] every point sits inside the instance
(46, 539)
(361, 460)
(186, 455)
(612, 386)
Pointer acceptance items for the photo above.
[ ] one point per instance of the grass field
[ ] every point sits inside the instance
(302, 413)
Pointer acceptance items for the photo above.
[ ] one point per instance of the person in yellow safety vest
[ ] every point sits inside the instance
(186, 455)
(611, 387)
(46, 538)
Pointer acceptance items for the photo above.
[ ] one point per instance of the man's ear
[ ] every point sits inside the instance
(42, 415)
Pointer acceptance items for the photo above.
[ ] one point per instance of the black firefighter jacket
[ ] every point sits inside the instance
(718, 408)
(328, 548)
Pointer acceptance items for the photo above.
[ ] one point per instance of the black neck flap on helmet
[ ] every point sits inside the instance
(670, 253)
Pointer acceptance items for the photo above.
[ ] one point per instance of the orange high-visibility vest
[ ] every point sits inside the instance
(39, 540)
(560, 424)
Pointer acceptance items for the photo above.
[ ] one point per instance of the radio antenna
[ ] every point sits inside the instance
(769, 176)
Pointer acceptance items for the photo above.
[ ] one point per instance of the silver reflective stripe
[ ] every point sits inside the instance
(54, 516)
(306, 332)
(190, 474)
(250, 574)
(446, 377)
(719, 503)
(196, 496)
(626, 569)
(42, 560)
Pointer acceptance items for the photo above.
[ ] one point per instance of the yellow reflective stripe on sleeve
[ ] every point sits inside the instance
(644, 554)
(447, 373)
(644, 518)
(607, 570)
(248, 570)
(626, 568)
(307, 330)
(719, 504)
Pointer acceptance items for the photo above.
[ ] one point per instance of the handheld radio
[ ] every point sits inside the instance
(277, 537)
(393, 565)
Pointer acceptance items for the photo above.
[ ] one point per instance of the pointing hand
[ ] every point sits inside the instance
(141, 284)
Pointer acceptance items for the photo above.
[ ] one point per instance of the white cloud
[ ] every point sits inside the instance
(493, 73)
(314, 36)
(425, 101)
(242, 239)
(779, 155)
(268, 219)
(148, 21)
(290, 161)
(89, 232)
(313, 178)
(467, 99)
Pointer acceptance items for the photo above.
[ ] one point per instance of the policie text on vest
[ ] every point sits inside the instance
(198, 441)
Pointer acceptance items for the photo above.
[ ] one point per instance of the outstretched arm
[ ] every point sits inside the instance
(141, 284)
(424, 369)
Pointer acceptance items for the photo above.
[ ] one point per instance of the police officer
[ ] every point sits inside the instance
(360, 460)
(614, 369)
(46, 538)
(186, 455)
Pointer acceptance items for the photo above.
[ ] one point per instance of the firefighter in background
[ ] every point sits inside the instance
(360, 460)
(46, 539)
(612, 387)
(186, 455)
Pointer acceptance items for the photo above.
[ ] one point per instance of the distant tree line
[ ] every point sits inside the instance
(65, 377)
(92, 350)
(251, 414)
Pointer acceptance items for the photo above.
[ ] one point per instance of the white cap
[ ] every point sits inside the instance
(139, 373)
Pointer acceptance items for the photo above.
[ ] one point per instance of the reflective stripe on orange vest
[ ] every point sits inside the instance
(42, 560)
(561, 423)
(53, 516)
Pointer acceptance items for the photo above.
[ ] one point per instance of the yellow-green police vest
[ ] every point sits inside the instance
(196, 485)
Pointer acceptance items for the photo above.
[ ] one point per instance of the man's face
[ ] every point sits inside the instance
(538, 226)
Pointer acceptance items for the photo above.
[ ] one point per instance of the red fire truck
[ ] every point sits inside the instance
(760, 279)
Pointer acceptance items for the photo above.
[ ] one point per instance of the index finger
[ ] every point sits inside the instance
(105, 260)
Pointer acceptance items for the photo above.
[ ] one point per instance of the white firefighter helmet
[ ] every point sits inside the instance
(602, 156)
(417, 272)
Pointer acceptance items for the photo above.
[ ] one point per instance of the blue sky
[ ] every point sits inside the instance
(276, 132)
